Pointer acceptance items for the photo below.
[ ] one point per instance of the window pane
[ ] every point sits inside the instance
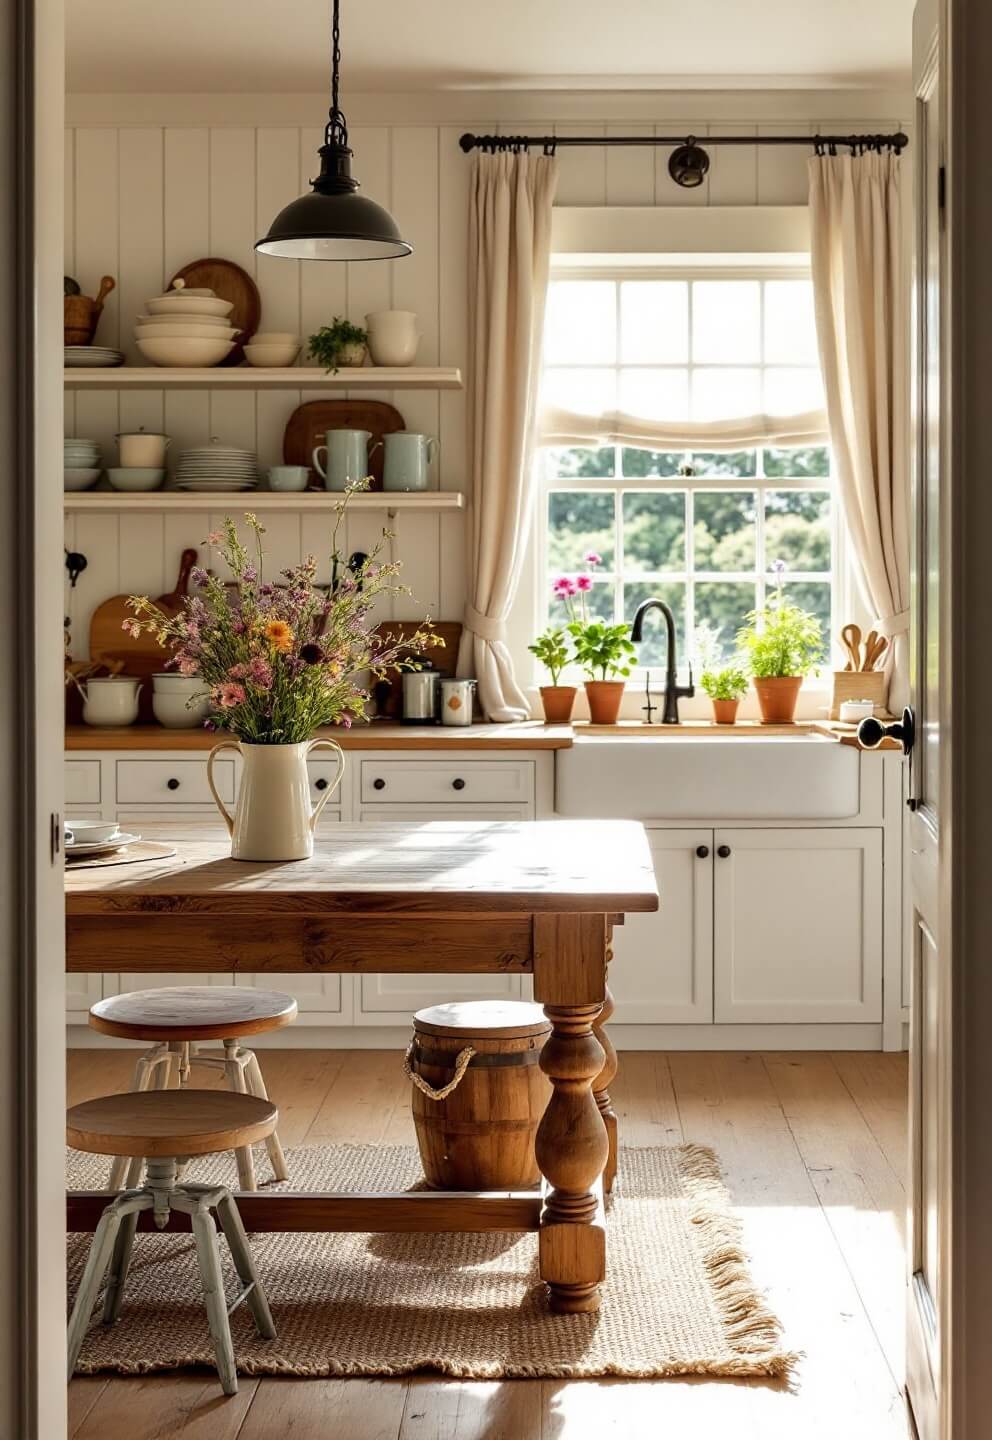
(599, 605)
(724, 530)
(794, 462)
(812, 595)
(721, 607)
(579, 521)
(655, 394)
(719, 394)
(638, 463)
(651, 651)
(790, 327)
(587, 391)
(654, 531)
(790, 392)
(797, 528)
(580, 325)
(583, 464)
(654, 321)
(726, 321)
(739, 462)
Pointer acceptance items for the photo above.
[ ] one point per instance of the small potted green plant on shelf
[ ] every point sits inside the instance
(782, 644)
(603, 651)
(726, 687)
(551, 648)
(339, 345)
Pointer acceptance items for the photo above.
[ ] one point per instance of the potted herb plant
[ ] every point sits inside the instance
(278, 662)
(551, 648)
(783, 644)
(339, 345)
(725, 687)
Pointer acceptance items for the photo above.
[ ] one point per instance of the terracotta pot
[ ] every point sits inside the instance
(604, 698)
(558, 701)
(725, 712)
(777, 696)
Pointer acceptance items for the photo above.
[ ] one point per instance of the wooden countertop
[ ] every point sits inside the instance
(530, 735)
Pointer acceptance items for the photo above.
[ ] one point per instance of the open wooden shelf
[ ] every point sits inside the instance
(314, 501)
(250, 377)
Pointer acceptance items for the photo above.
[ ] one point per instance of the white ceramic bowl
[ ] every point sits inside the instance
(133, 477)
(172, 711)
(275, 337)
(75, 479)
(191, 330)
(209, 322)
(80, 461)
(169, 682)
(91, 832)
(275, 355)
(183, 303)
(185, 352)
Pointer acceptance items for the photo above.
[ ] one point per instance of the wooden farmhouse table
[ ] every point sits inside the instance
(537, 898)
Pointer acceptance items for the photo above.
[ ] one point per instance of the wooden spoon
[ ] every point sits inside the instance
(851, 638)
(875, 649)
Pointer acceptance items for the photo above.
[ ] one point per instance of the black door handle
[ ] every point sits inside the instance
(458, 784)
(703, 851)
(723, 851)
(172, 784)
(379, 784)
(320, 784)
(872, 732)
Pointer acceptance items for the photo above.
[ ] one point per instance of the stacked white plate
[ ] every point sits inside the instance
(185, 327)
(81, 462)
(216, 467)
(77, 356)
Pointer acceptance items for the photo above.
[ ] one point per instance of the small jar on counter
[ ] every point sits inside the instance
(456, 701)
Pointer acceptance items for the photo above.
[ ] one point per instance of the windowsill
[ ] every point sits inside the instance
(814, 703)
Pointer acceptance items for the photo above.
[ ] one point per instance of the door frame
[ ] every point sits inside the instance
(32, 969)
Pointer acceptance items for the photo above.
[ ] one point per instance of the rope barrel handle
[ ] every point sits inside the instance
(462, 1062)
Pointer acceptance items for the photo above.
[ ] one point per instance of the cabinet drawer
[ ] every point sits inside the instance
(183, 782)
(82, 782)
(399, 782)
(323, 774)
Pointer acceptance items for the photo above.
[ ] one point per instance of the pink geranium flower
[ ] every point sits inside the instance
(592, 558)
(564, 586)
(230, 695)
(583, 583)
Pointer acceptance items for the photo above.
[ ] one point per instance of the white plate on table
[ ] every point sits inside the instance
(98, 847)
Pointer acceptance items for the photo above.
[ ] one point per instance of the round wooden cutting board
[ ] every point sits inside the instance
(228, 282)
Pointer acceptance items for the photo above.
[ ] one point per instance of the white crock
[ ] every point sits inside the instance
(110, 701)
(273, 818)
(393, 337)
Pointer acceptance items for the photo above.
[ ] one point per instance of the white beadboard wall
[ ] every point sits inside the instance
(155, 182)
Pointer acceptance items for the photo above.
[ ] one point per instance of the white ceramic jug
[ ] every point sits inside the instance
(273, 818)
(393, 337)
(408, 460)
(110, 700)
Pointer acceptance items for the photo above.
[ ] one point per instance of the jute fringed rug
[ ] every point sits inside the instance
(679, 1299)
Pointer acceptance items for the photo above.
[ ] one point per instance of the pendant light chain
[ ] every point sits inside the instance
(336, 131)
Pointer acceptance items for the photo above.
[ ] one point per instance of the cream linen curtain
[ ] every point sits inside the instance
(855, 218)
(509, 255)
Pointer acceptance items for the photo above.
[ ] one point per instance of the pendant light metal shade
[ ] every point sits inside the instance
(333, 222)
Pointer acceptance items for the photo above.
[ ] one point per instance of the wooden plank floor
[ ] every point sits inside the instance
(814, 1151)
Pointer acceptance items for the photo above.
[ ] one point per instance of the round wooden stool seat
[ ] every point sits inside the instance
(192, 1012)
(169, 1123)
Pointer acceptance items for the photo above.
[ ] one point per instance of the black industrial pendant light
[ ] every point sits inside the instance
(333, 222)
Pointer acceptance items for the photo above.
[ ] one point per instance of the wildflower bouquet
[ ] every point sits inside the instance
(279, 660)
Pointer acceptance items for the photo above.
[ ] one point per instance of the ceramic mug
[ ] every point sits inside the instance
(288, 477)
(110, 701)
(347, 453)
(408, 460)
(393, 337)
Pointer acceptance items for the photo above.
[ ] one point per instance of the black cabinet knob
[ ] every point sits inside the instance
(458, 784)
(378, 783)
(703, 851)
(723, 851)
(320, 784)
(172, 784)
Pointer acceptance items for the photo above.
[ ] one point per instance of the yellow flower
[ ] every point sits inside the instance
(279, 635)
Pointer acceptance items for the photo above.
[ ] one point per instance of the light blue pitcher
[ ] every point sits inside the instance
(347, 453)
(408, 460)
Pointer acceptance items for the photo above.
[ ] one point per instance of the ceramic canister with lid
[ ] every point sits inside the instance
(456, 701)
(142, 450)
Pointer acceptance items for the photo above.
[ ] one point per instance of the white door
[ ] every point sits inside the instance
(392, 999)
(662, 971)
(797, 926)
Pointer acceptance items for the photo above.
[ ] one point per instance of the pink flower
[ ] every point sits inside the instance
(565, 586)
(583, 583)
(132, 628)
(229, 695)
(592, 558)
(187, 665)
(215, 537)
(237, 672)
(260, 672)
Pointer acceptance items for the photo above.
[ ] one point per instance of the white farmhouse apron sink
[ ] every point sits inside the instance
(671, 777)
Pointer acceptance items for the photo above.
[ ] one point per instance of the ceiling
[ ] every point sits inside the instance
(246, 46)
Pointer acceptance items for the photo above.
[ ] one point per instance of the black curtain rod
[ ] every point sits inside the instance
(550, 143)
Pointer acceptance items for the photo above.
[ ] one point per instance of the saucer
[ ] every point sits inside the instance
(97, 847)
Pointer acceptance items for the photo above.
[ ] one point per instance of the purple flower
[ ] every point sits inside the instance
(260, 672)
(198, 576)
(238, 626)
(778, 567)
(267, 589)
(249, 574)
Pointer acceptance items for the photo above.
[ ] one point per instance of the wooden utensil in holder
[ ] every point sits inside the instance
(81, 314)
(870, 685)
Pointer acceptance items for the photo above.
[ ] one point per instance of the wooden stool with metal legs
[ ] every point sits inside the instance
(179, 1020)
(165, 1127)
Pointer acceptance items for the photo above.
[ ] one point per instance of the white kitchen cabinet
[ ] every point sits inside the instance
(662, 971)
(797, 925)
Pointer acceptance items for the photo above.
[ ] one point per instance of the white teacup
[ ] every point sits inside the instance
(90, 832)
(288, 477)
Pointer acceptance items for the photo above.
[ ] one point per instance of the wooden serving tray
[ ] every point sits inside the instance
(308, 423)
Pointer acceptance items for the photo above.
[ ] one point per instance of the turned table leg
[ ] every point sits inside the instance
(601, 1089)
(572, 1143)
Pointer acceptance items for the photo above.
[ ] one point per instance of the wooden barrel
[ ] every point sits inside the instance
(481, 1135)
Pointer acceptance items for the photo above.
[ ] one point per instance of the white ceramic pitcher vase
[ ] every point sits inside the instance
(273, 818)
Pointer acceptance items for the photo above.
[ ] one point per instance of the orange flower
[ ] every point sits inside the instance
(279, 635)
